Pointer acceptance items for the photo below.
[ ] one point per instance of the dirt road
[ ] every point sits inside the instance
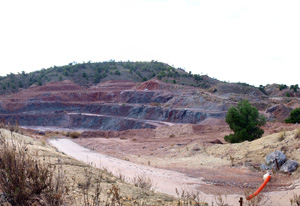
(153, 122)
(165, 181)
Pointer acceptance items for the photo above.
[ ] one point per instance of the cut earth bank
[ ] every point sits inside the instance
(197, 160)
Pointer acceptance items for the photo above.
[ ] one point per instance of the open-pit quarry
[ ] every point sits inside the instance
(169, 133)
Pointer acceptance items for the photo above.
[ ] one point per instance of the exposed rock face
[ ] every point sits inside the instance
(238, 89)
(279, 112)
(122, 105)
(112, 105)
(102, 116)
(289, 166)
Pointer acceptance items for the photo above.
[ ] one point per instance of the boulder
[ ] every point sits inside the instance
(272, 157)
(289, 166)
(264, 167)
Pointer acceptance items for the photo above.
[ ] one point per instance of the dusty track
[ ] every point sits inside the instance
(153, 122)
(165, 180)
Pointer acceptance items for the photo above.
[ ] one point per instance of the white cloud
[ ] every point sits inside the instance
(249, 41)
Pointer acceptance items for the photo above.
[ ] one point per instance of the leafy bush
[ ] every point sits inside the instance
(294, 116)
(262, 89)
(197, 77)
(282, 86)
(294, 87)
(245, 121)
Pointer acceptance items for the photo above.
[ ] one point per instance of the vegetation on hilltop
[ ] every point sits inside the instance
(92, 73)
(87, 74)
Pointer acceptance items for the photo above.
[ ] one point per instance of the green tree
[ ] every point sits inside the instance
(294, 87)
(144, 79)
(245, 121)
(20, 84)
(197, 77)
(294, 116)
(66, 73)
(262, 89)
(282, 86)
(97, 78)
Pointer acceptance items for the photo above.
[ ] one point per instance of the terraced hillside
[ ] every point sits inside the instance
(120, 105)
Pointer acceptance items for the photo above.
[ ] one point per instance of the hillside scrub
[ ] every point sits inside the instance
(27, 181)
(88, 74)
(245, 121)
(294, 116)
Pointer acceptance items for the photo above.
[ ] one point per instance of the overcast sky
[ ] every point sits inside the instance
(257, 42)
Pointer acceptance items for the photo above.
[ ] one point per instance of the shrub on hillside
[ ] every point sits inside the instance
(26, 181)
(294, 116)
(262, 89)
(73, 134)
(294, 87)
(245, 121)
(282, 86)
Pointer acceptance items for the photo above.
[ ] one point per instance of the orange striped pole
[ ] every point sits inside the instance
(267, 178)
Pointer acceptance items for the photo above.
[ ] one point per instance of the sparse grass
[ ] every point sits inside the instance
(91, 198)
(220, 201)
(27, 181)
(297, 134)
(11, 127)
(295, 201)
(121, 176)
(281, 136)
(143, 182)
(190, 198)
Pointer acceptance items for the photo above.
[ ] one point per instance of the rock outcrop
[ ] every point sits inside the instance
(122, 105)
(289, 166)
(278, 161)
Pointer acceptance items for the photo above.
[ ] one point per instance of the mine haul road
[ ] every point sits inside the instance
(164, 181)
